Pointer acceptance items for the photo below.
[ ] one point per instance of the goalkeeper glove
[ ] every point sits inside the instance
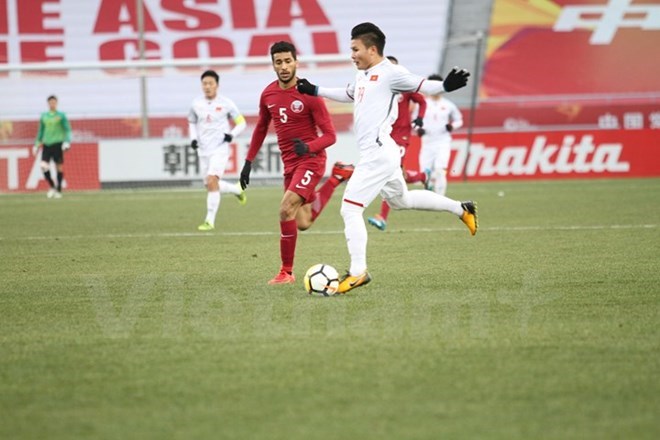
(66, 146)
(194, 145)
(307, 88)
(456, 79)
(35, 149)
(449, 127)
(418, 122)
(228, 138)
(245, 174)
(300, 147)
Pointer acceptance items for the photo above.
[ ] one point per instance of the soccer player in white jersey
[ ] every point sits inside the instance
(441, 118)
(211, 134)
(373, 93)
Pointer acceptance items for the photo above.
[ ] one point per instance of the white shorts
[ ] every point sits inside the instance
(378, 172)
(215, 164)
(434, 155)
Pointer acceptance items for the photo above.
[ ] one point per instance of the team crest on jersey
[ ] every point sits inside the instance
(297, 106)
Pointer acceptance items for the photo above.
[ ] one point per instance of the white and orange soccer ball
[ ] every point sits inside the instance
(321, 279)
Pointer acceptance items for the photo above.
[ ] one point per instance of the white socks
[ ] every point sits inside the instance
(440, 182)
(212, 205)
(356, 237)
(428, 201)
(226, 187)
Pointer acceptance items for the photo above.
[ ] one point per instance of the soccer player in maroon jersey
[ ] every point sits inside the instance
(401, 130)
(296, 118)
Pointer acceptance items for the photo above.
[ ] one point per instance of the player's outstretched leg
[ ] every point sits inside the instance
(235, 189)
(411, 176)
(430, 201)
(341, 172)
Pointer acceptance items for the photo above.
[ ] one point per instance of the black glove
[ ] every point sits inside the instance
(449, 127)
(245, 174)
(456, 79)
(194, 145)
(228, 138)
(306, 87)
(418, 122)
(420, 132)
(300, 147)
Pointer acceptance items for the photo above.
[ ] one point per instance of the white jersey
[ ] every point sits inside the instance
(374, 94)
(439, 113)
(211, 121)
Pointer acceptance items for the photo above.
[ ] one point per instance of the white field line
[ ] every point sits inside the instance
(340, 232)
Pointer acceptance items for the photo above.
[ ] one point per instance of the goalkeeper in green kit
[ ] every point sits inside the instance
(53, 139)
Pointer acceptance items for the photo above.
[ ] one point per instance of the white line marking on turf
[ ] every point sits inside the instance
(276, 233)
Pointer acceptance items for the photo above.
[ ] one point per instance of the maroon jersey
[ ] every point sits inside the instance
(294, 115)
(401, 127)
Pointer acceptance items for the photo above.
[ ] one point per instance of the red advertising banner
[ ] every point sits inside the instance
(570, 47)
(552, 155)
(20, 170)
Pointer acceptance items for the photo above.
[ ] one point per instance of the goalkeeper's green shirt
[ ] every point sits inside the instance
(53, 128)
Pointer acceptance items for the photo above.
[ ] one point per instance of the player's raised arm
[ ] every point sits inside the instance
(454, 80)
(336, 94)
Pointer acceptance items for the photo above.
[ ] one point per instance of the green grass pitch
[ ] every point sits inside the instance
(119, 320)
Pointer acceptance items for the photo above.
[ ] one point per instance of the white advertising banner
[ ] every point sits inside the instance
(156, 160)
(84, 31)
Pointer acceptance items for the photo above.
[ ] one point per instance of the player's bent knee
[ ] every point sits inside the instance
(303, 225)
(401, 202)
(348, 209)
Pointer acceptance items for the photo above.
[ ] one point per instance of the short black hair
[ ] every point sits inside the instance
(370, 34)
(283, 46)
(212, 74)
(435, 77)
(51, 97)
(392, 59)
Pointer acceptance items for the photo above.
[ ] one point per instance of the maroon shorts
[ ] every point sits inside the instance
(304, 178)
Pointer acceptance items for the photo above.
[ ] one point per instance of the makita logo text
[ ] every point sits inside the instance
(539, 158)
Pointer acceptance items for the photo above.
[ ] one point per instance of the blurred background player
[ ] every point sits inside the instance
(401, 130)
(378, 170)
(297, 119)
(210, 134)
(442, 117)
(54, 138)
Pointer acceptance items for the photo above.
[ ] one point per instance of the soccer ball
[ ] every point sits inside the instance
(322, 280)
